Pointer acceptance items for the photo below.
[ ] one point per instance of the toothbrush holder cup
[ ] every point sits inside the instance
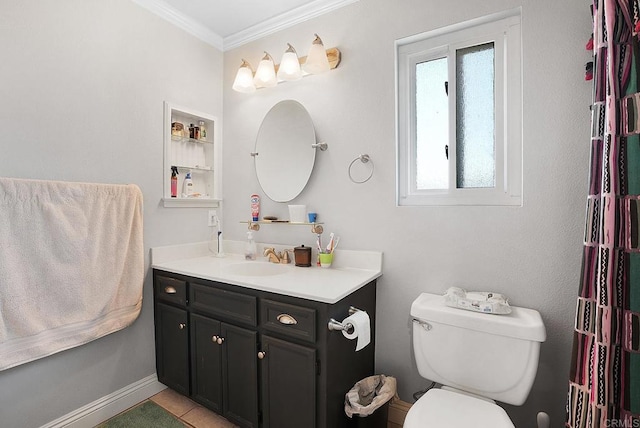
(326, 259)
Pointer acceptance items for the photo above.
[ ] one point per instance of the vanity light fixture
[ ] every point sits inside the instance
(317, 61)
(291, 67)
(266, 73)
(244, 79)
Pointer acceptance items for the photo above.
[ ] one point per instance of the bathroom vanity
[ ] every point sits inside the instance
(250, 340)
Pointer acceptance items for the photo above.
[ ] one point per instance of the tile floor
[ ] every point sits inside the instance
(190, 413)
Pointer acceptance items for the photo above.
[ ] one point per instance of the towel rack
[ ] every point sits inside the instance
(335, 325)
(364, 158)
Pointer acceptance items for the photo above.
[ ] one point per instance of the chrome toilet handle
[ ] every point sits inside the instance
(422, 324)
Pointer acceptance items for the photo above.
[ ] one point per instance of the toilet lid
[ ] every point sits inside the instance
(442, 408)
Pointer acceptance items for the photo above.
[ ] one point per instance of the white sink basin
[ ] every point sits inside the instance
(255, 269)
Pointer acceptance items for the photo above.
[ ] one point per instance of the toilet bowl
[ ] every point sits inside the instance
(478, 358)
(442, 408)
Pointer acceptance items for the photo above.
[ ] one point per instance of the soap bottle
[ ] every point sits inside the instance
(250, 250)
(187, 186)
(203, 131)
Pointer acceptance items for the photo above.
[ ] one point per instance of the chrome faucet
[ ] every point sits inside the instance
(275, 257)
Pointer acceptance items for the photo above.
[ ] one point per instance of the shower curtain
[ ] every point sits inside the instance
(604, 385)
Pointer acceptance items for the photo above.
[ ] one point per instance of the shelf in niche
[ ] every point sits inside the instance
(179, 139)
(195, 168)
(191, 202)
(201, 157)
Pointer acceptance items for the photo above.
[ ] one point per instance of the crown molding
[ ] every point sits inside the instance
(255, 32)
(176, 18)
(282, 21)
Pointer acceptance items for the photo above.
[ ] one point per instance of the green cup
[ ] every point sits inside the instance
(326, 259)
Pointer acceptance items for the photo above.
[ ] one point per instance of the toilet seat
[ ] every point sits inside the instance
(443, 408)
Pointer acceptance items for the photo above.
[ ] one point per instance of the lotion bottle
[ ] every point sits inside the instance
(187, 186)
(250, 249)
(203, 131)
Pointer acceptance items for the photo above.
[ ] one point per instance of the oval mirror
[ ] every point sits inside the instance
(285, 155)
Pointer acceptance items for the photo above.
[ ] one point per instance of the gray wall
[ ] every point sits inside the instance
(81, 93)
(530, 253)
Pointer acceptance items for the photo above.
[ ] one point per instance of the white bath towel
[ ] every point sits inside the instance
(71, 265)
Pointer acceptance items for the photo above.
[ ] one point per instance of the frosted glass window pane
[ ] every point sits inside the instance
(475, 121)
(432, 118)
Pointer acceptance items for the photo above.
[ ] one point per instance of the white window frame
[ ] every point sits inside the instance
(504, 31)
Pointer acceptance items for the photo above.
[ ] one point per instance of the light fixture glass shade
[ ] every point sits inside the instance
(289, 65)
(244, 79)
(266, 73)
(317, 61)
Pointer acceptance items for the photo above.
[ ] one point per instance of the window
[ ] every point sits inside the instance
(459, 114)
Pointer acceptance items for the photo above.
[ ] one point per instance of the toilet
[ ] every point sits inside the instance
(477, 358)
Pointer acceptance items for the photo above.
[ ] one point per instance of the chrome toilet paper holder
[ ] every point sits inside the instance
(335, 325)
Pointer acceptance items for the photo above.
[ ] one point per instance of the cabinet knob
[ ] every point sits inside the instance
(181, 326)
(261, 355)
(170, 290)
(286, 319)
(217, 339)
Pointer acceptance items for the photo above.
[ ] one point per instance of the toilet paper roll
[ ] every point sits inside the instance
(361, 328)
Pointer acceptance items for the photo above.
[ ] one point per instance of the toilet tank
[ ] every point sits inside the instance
(494, 356)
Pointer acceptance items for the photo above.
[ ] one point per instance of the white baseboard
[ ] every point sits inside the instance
(110, 405)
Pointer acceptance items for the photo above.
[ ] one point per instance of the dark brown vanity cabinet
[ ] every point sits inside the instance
(288, 376)
(224, 369)
(172, 333)
(259, 359)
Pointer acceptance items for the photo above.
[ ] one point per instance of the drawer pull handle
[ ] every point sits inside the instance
(170, 290)
(286, 319)
(261, 355)
(181, 326)
(217, 339)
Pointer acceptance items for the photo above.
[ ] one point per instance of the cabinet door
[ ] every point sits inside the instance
(172, 347)
(206, 362)
(240, 375)
(288, 384)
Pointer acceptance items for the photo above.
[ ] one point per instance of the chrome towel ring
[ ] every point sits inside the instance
(365, 159)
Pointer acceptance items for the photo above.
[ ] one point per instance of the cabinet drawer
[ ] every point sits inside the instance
(223, 304)
(289, 320)
(171, 290)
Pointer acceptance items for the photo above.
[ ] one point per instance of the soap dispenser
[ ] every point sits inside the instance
(250, 250)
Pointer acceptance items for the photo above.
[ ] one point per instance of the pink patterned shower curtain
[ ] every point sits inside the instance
(604, 386)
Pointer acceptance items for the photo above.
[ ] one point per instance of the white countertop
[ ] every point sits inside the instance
(350, 271)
